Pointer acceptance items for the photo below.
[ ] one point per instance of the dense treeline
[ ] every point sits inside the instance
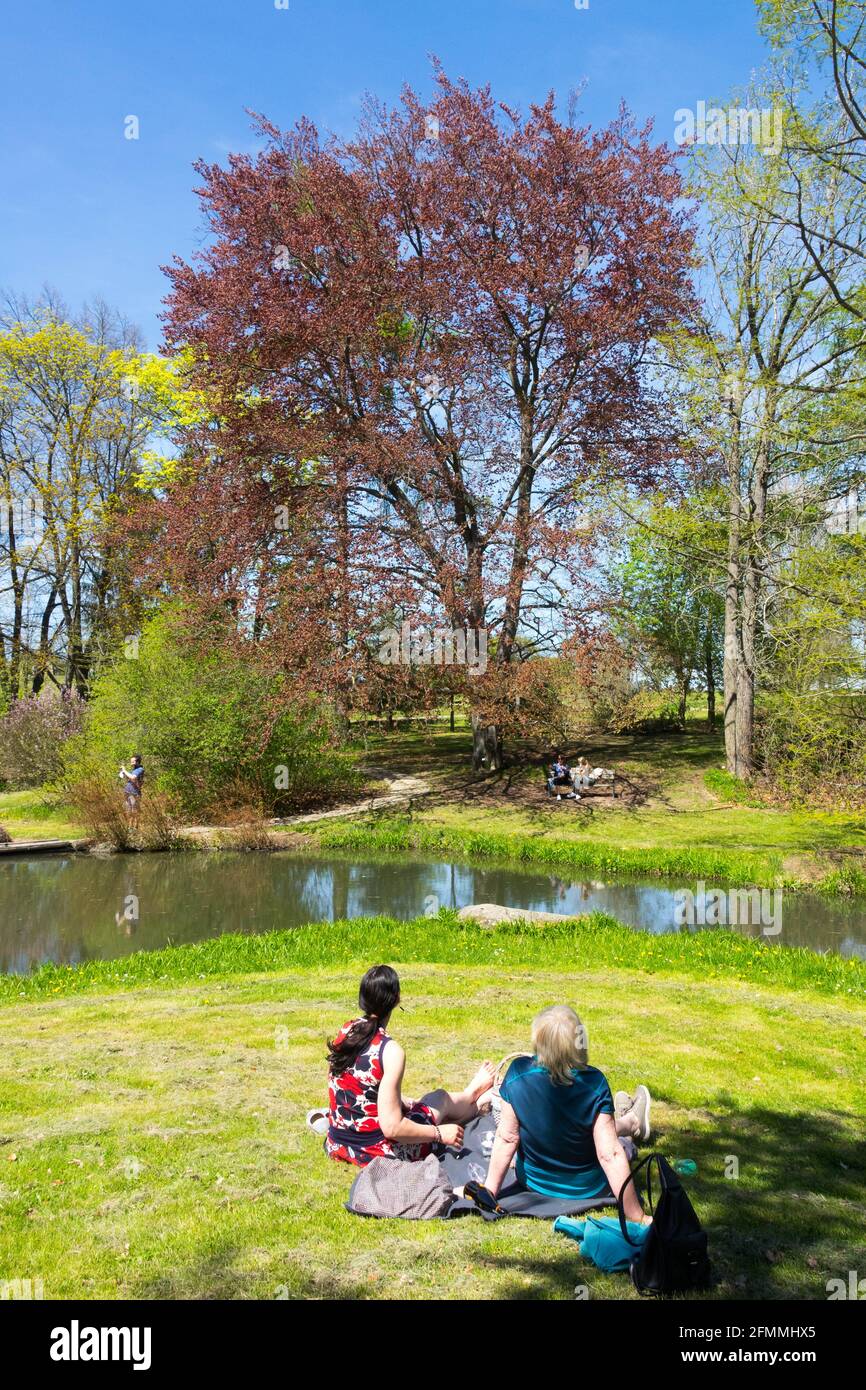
(470, 371)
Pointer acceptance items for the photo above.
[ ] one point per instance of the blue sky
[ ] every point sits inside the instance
(89, 211)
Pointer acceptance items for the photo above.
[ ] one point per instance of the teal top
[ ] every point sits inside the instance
(557, 1153)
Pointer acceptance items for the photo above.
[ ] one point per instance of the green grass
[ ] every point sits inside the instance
(595, 939)
(151, 1111)
(397, 835)
(729, 788)
(37, 815)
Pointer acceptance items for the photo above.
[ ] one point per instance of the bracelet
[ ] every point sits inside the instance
(437, 1133)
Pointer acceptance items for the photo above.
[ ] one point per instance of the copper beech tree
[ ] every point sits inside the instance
(418, 349)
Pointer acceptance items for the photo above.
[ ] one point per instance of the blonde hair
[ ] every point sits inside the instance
(560, 1042)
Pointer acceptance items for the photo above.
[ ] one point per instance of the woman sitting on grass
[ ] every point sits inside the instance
(368, 1116)
(558, 1117)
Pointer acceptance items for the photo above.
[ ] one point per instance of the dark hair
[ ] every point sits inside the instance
(378, 996)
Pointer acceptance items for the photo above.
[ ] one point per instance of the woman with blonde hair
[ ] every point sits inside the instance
(558, 1118)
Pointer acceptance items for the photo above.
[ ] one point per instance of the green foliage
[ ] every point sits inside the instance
(811, 732)
(646, 711)
(669, 599)
(213, 730)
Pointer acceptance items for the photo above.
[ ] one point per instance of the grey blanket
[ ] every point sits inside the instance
(462, 1165)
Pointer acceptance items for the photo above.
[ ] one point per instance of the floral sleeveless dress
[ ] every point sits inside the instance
(354, 1135)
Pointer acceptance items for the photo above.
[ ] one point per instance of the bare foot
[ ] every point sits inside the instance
(482, 1081)
(484, 1102)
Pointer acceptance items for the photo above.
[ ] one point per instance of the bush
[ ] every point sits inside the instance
(645, 712)
(215, 732)
(813, 746)
(32, 737)
(100, 808)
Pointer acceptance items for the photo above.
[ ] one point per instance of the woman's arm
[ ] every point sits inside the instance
(611, 1156)
(392, 1121)
(504, 1148)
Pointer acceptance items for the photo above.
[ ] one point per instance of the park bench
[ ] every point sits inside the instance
(605, 787)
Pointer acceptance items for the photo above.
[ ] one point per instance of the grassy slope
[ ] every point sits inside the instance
(152, 1140)
(30, 815)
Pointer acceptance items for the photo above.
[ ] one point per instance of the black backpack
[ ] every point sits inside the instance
(673, 1257)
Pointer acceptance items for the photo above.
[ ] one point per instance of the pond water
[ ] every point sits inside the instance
(72, 908)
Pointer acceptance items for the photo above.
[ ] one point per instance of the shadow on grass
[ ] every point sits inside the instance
(790, 1220)
(782, 1196)
(212, 1277)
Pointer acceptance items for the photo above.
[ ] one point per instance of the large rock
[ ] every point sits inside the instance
(491, 914)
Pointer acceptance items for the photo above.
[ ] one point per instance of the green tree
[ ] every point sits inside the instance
(668, 606)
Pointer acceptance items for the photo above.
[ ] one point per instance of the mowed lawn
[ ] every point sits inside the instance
(152, 1139)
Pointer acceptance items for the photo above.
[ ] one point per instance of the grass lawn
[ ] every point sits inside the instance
(152, 1141)
(35, 815)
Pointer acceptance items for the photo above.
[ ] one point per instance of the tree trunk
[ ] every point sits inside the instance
(44, 657)
(711, 677)
(685, 683)
(732, 606)
(486, 745)
(751, 594)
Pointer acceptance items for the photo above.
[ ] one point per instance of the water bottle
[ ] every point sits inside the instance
(686, 1166)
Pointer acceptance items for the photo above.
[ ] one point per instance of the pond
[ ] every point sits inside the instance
(73, 908)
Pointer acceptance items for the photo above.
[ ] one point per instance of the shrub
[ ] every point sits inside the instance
(215, 731)
(645, 712)
(33, 734)
(99, 806)
(813, 746)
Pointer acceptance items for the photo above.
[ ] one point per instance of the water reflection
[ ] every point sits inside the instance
(75, 908)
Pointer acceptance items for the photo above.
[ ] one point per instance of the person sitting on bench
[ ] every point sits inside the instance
(560, 776)
(582, 773)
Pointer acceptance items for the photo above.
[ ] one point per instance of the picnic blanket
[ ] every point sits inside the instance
(462, 1165)
(471, 1161)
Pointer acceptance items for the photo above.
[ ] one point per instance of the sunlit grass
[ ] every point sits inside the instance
(592, 941)
(153, 1143)
(37, 815)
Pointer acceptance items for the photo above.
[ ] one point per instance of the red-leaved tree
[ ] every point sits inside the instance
(419, 347)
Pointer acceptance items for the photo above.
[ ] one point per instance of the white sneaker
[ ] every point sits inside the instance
(559, 798)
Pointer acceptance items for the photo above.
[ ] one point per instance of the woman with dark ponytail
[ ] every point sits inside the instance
(368, 1116)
